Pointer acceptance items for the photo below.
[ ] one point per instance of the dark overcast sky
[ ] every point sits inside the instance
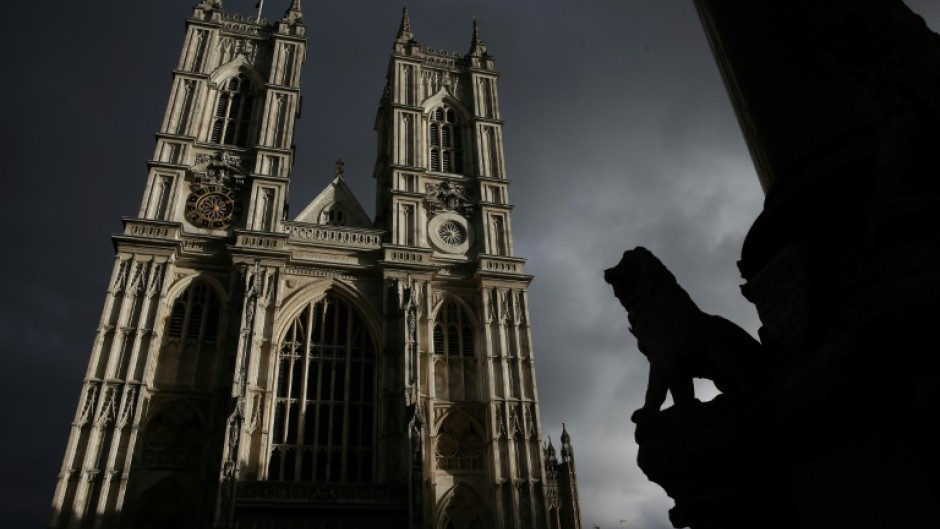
(618, 133)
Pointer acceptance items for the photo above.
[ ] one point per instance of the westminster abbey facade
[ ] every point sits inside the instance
(331, 371)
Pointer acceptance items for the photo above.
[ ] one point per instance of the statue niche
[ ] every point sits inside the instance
(680, 341)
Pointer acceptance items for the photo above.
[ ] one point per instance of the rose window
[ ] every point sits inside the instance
(452, 233)
(447, 445)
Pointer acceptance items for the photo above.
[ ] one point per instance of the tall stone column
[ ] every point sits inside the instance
(838, 102)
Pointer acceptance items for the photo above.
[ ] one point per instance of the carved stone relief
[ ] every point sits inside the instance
(459, 446)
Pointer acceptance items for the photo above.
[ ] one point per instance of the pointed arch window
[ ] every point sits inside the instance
(323, 427)
(463, 511)
(454, 354)
(232, 120)
(191, 341)
(446, 140)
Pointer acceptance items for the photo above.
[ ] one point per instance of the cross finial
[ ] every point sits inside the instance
(339, 167)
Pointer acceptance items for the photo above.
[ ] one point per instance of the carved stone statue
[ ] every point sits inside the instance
(680, 341)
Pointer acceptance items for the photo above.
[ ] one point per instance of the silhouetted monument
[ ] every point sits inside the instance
(680, 341)
(839, 101)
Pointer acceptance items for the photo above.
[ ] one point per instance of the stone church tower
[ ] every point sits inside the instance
(326, 372)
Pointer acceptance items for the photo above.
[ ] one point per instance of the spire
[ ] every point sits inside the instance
(294, 13)
(477, 48)
(405, 35)
(208, 10)
(551, 458)
(211, 5)
(567, 452)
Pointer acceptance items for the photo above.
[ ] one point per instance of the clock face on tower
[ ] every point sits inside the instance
(211, 207)
(450, 233)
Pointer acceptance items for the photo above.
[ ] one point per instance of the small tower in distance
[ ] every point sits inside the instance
(568, 484)
(562, 485)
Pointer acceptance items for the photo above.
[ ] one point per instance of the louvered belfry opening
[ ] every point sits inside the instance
(446, 141)
(324, 414)
(232, 120)
(191, 341)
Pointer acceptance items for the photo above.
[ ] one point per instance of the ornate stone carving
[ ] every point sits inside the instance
(128, 405)
(174, 437)
(121, 280)
(515, 427)
(500, 421)
(341, 236)
(139, 272)
(156, 279)
(530, 421)
(459, 446)
(679, 340)
(503, 305)
(519, 311)
(411, 302)
(108, 410)
(257, 410)
(220, 168)
(88, 408)
(269, 289)
(447, 196)
(232, 47)
(494, 305)
(251, 26)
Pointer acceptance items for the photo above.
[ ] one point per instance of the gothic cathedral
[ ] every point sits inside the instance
(326, 372)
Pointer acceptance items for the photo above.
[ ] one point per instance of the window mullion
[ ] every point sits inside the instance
(305, 382)
(331, 407)
(227, 117)
(340, 443)
(347, 398)
(288, 404)
(323, 406)
(316, 348)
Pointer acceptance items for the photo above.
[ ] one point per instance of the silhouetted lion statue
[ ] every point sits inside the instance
(680, 341)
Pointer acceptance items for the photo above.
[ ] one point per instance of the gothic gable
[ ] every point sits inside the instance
(336, 205)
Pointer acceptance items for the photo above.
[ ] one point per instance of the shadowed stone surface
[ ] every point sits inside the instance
(839, 102)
